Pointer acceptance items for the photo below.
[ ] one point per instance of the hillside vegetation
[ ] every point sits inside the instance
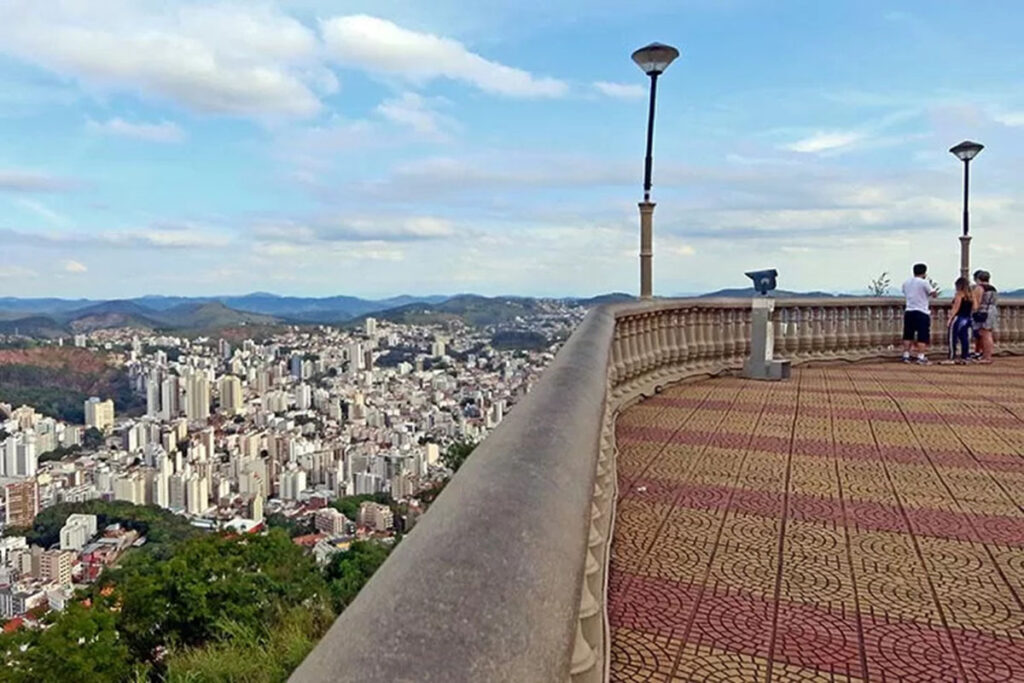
(206, 607)
(56, 381)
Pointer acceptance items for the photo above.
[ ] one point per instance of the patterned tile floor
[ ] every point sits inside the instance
(858, 522)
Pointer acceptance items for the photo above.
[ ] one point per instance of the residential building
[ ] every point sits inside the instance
(22, 503)
(330, 521)
(78, 529)
(99, 414)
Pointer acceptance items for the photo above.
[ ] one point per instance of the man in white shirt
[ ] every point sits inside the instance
(917, 320)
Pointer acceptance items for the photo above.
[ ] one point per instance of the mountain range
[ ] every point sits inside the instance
(51, 317)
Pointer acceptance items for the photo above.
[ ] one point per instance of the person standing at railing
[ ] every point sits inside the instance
(917, 319)
(961, 322)
(986, 314)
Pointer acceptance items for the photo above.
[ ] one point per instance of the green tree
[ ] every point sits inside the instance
(81, 645)
(349, 571)
(349, 505)
(880, 286)
(457, 453)
(93, 438)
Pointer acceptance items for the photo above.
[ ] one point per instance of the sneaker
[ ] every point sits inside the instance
(906, 359)
(923, 361)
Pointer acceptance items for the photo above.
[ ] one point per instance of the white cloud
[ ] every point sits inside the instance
(358, 229)
(71, 266)
(19, 180)
(826, 140)
(1011, 118)
(227, 59)
(41, 209)
(15, 272)
(165, 131)
(381, 46)
(415, 111)
(141, 238)
(626, 91)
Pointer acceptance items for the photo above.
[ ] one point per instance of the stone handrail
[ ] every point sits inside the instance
(505, 578)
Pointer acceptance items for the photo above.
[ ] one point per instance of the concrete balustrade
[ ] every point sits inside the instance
(505, 579)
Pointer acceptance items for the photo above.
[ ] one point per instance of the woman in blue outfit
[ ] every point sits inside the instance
(961, 322)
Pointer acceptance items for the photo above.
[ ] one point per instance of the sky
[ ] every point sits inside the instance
(315, 147)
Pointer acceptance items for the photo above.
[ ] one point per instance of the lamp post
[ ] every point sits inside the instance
(966, 151)
(653, 59)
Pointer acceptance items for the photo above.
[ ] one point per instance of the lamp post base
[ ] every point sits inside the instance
(646, 248)
(965, 256)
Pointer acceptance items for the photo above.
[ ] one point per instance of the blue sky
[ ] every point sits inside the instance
(313, 147)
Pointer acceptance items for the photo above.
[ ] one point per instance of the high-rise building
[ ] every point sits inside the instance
(330, 521)
(22, 503)
(19, 455)
(371, 327)
(131, 487)
(303, 397)
(197, 494)
(99, 414)
(55, 565)
(77, 531)
(153, 393)
(293, 483)
(170, 398)
(224, 348)
(197, 398)
(176, 492)
(376, 516)
(256, 508)
(230, 390)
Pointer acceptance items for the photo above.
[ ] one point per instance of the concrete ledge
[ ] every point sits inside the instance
(486, 588)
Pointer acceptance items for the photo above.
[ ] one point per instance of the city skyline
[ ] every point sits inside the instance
(189, 149)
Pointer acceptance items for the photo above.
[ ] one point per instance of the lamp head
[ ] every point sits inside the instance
(966, 150)
(764, 280)
(655, 58)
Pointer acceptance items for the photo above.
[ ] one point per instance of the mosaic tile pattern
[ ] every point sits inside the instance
(856, 523)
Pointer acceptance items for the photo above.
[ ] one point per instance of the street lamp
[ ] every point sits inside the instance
(653, 59)
(966, 151)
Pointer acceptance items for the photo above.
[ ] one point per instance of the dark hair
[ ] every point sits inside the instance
(962, 284)
(920, 269)
(982, 275)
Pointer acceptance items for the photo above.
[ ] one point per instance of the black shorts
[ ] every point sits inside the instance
(917, 326)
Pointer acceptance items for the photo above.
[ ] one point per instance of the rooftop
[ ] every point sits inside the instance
(857, 522)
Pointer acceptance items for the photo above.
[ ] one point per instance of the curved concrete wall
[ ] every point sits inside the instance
(504, 579)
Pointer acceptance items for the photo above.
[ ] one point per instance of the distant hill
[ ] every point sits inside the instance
(210, 315)
(33, 326)
(469, 308)
(748, 292)
(612, 298)
(121, 313)
(331, 309)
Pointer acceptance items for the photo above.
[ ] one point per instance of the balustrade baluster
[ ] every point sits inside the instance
(817, 331)
(730, 343)
(632, 348)
(690, 331)
(664, 345)
(855, 341)
(616, 369)
(652, 342)
(804, 332)
(699, 336)
(830, 327)
(844, 330)
(792, 341)
(779, 332)
(647, 351)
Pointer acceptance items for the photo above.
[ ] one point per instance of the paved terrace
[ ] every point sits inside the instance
(858, 522)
